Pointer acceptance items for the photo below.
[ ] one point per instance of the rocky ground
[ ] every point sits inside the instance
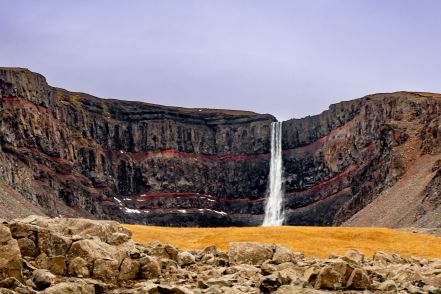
(43, 255)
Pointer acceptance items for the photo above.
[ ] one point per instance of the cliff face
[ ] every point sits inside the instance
(73, 154)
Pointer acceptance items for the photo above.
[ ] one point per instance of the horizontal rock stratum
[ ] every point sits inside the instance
(61, 256)
(369, 161)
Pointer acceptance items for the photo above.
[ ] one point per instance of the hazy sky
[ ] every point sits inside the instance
(289, 58)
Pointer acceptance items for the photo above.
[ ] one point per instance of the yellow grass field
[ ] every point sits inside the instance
(312, 241)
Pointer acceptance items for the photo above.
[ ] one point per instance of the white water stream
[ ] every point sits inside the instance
(274, 214)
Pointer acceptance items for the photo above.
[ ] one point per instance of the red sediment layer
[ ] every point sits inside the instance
(320, 185)
(16, 101)
(315, 188)
(317, 144)
(13, 100)
(190, 195)
(140, 155)
(329, 197)
(181, 210)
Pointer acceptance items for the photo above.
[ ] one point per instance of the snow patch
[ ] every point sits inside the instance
(129, 210)
(215, 211)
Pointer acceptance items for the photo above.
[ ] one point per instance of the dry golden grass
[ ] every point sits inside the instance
(313, 241)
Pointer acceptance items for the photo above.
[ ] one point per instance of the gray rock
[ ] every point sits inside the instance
(185, 258)
(249, 253)
(43, 279)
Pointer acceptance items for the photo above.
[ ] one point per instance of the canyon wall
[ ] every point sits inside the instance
(72, 154)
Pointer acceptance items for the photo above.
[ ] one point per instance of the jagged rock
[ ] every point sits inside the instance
(334, 275)
(268, 267)
(14, 284)
(129, 269)
(185, 258)
(433, 290)
(149, 268)
(105, 269)
(388, 285)
(358, 279)
(383, 257)
(118, 238)
(355, 255)
(282, 254)
(70, 288)
(310, 275)
(10, 257)
(159, 250)
(271, 283)
(43, 279)
(10, 283)
(57, 264)
(27, 247)
(6, 291)
(208, 258)
(151, 288)
(249, 253)
(93, 265)
(288, 289)
(52, 244)
(90, 250)
(78, 267)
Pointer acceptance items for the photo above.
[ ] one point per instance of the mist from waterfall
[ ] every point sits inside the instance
(274, 213)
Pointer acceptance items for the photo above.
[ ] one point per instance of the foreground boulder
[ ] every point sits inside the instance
(10, 256)
(58, 256)
(250, 253)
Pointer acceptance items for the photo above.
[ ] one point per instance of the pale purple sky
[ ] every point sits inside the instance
(288, 58)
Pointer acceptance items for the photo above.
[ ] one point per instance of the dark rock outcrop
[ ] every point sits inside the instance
(73, 154)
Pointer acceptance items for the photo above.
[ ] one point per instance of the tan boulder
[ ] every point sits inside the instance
(159, 250)
(385, 258)
(249, 253)
(43, 278)
(310, 275)
(70, 288)
(52, 243)
(91, 250)
(10, 257)
(334, 275)
(129, 269)
(271, 283)
(22, 229)
(244, 270)
(149, 268)
(358, 279)
(355, 255)
(105, 269)
(388, 285)
(78, 267)
(27, 247)
(57, 265)
(118, 238)
(291, 289)
(185, 258)
(7, 291)
(282, 254)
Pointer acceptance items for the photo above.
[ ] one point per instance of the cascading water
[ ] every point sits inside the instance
(274, 203)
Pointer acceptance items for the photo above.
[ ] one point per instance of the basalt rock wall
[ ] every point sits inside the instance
(73, 154)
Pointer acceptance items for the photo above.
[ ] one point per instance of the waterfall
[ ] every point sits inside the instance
(274, 202)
